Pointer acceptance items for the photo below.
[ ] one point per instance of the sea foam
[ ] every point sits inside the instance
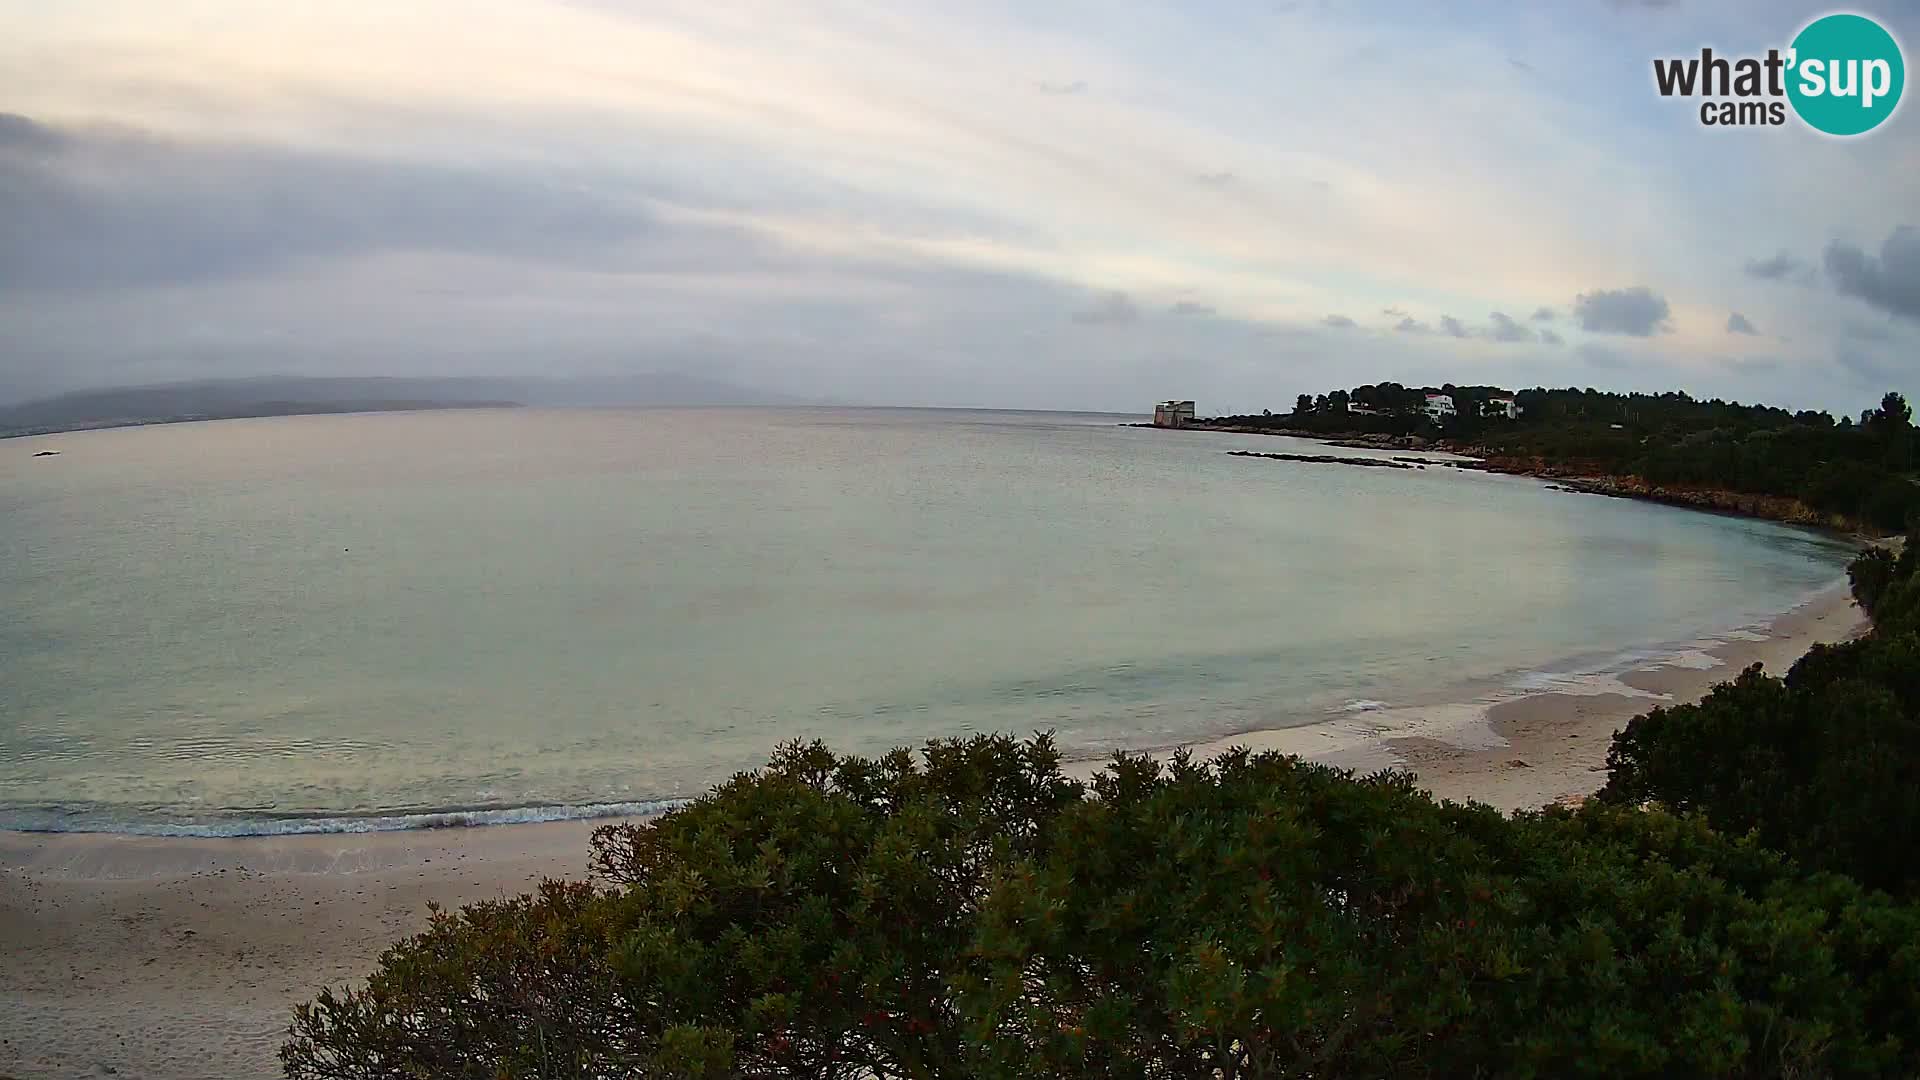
(63, 821)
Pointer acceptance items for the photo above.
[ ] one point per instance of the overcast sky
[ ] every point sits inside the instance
(1069, 204)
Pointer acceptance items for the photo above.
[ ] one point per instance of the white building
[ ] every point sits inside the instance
(1173, 414)
(1501, 406)
(1439, 407)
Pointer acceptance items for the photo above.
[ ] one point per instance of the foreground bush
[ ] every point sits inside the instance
(1823, 764)
(973, 913)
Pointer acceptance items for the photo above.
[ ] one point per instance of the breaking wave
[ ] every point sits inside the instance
(67, 820)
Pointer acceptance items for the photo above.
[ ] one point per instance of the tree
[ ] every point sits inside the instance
(971, 912)
(1894, 413)
(1302, 405)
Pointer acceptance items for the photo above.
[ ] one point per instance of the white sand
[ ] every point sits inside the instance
(183, 958)
(163, 958)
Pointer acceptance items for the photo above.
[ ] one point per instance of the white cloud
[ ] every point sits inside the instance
(911, 153)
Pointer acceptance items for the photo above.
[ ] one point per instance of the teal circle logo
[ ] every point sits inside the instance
(1845, 74)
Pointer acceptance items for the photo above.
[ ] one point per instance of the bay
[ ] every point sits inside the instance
(345, 622)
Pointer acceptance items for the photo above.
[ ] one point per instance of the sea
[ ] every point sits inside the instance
(364, 622)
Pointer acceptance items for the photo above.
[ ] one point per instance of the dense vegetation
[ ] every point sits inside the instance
(1823, 764)
(972, 912)
(1860, 471)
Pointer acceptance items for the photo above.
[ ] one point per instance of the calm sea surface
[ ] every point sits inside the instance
(347, 621)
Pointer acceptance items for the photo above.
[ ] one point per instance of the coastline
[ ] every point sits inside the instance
(1780, 508)
(1563, 736)
(169, 957)
(1526, 748)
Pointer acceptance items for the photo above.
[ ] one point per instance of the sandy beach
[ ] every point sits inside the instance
(175, 958)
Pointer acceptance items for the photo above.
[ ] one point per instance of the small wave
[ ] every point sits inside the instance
(1363, 705)
(67, 822)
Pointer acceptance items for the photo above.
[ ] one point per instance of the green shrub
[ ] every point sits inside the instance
(1823, 765)
(1887, 586)
(972, 913)
(1870, 574)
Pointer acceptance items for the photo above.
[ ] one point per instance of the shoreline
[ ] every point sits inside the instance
(182, 957)
(1560, 729)
(1781, 509)
(1563, 735)
(1356, 738)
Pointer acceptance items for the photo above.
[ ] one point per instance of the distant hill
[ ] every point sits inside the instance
(221, 399)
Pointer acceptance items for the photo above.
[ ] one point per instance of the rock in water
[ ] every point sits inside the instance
(1325, 459)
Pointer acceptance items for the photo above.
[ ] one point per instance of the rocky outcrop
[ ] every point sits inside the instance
(1329, 459)
(1586, 477)
(1771, 507)
(1571, 477)
(1383, 442)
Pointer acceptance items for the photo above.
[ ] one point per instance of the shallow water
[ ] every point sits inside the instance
(334, 622)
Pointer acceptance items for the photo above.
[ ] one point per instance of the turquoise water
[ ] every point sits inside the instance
(352, 621)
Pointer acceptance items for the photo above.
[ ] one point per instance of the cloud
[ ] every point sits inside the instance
(1338, 322)
(1637, 312)
(1739, 324)
(20, 132)
(1551, 338)
(1867, 368)
(1890, 282)
(1544, 314)
(1394, 312)
(1601, 356)
(1868, 332)
(1410, 325)
(1776, 267)
(1111, 308)
(1520, 65)
(1452, 327)
(120, 209)
(1215, 179)
(1505, 329)
(386, 202)
(1752, 365)
(1647, 5)
(1192, 308)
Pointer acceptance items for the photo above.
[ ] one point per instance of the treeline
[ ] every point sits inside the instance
(1860, 470)
(1740, 902)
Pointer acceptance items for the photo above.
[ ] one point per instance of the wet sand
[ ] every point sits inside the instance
(1524, 749)
(1553, 746)
(181, 959)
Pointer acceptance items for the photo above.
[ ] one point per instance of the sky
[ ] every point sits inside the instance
(1077, 204)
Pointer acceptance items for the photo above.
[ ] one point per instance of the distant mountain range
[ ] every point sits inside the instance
(223, 399)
